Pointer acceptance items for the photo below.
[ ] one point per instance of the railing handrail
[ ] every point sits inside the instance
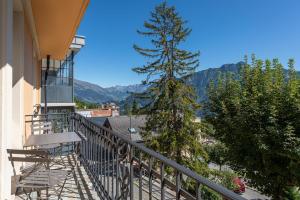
(180, 168)
(42, 114)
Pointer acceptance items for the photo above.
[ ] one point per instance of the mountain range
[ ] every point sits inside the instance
(121, 94)
(93, 93)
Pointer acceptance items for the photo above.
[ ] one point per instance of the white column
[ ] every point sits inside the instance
(6, 57)
(18, 80)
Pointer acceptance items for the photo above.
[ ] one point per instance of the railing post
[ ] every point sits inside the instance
(97, 160)
(131, 172)
(150, 177)
(113, 168)
(117, 170)
(95, 152)
(108, 163)
(178, 184)
(162, 181)
(104, 161)
(198, 191)
(31, 129)
(140, 177)
(101, 161)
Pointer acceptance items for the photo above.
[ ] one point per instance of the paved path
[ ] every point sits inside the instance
(253, 195)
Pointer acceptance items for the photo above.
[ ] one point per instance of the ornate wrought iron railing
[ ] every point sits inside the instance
(122, 169)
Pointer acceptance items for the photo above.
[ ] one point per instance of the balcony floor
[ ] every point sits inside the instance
(77, 186)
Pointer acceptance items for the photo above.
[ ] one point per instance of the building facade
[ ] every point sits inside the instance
(30, 31)
(58, 81)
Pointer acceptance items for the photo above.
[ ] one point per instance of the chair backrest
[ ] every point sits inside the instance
(41, 127)
(33, 156)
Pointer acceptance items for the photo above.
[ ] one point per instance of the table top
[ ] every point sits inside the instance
(52, 138)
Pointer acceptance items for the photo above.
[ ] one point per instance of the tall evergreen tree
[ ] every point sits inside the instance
(171, 103)
(135, 108)
(127, 109)
(258, 119)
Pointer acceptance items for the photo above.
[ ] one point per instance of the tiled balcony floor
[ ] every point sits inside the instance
(77, 186)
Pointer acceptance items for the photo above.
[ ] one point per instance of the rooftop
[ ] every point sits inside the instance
(127, 125)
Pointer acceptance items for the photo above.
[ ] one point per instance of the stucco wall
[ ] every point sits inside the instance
(31, 77)
(17, 84)
(6, 65)
(20, 81)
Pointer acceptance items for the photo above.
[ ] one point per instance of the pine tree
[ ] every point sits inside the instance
(127, 109)
(171, 103)
(135, 108)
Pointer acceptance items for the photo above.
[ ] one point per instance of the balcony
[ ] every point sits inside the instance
(108, 165)
(57, 78)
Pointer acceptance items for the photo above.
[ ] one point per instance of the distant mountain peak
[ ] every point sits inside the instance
(96, 94)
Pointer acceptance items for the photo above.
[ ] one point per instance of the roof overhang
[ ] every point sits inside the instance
(77, 43)
(56, 22)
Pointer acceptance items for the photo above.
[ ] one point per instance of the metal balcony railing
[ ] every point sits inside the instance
(60, 122)
(122, 169)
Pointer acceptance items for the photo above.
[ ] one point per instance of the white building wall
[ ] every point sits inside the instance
(18, 80)
(14, 48)
(85, 113)
(6, 59)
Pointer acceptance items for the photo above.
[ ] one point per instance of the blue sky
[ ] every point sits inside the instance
(223, 31)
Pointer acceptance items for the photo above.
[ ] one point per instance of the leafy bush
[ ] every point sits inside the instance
(257, 117)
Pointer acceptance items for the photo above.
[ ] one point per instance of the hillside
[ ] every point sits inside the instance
(93, 93)
(201, 79)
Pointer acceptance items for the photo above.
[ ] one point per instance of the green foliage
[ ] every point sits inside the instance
(131, 108)
(127, 109)
(84, 105)
(217, 153)
(135, 108)
(224, 178)
(171, 102)
(292, 193)
(257, 117)
(209, 194)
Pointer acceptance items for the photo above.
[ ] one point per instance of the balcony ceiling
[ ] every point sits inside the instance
(56, 22)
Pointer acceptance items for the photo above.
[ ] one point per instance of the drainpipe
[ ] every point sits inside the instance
(72, 78)
(45, 87)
